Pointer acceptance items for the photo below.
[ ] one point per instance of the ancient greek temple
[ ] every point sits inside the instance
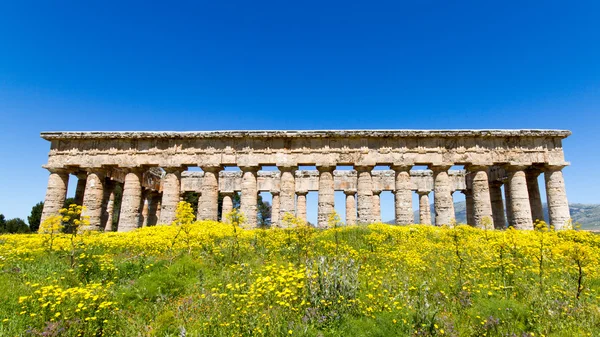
(498, 174)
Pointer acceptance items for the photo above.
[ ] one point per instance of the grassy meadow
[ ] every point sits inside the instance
(206, 278)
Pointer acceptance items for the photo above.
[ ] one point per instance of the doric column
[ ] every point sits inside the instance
(519, 198)
(129, 218)
(365, 194)
(145, 207)
(153, 208)
(469, 206)
(326, 195)
(497, 204)
(80, 189)
(227, 205)
(208, 203)
(249, 197)
(301, 205)
(442, 196)
(275, 209)
(171, 193)
(533, 188)
(482, 204)
(507, 202)
(403, 196)
(109, 197)
(287, 191)
(424, 208)
(350, 207)
(377, 206)
(558, 206)
(93, 197)
(56, 192)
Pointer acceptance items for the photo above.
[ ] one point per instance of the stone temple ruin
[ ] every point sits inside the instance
(499, 180)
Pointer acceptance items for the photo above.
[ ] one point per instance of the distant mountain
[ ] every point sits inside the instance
(588, 215)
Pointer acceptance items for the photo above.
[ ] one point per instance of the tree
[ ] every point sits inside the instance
(263, 212)
(2, 224)
(35, 218)
(15, 225)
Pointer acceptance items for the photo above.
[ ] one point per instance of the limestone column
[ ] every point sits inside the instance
(558, 206)
(326, 195)
(482, 204)
(287, 191)
(145, 207)
(365, 194)
(377, 206)
(350, 207)
(469, 206)
(424, 208)
(403, 196)
(442, 196)
(533, 188)
(249, 197)
(497, 204)
(129, 218)
(171, 194)
(507, 202)
(275, 209)
(93, 197)
(227, 205)
(301, 205)
(110, 205)
(519, 198)
(208, 203)
(154, 208)
(56, 192)
(80, 189)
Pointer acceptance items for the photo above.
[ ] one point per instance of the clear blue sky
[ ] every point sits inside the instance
(303, 65)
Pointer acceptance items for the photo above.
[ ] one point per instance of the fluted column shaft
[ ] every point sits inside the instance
(377, 206)
(80, 189)
(56, 192)
(365, 194)
(424, 208)
(535, 199)
(301, 205)
(109, 194)
(507, 202)
(558, 205)
(146, 196)
(403, 196)
(274, 209)
(469, 206)
(153, 208)
(442, 193)
(482, 204)
(326, 202)
(171, 194)
(497, 205)
(129, 218)
(350, 207)
(93, 197)
(519, 198)
(227, 205)
(249, 197)
(287, 191)
(208, 203)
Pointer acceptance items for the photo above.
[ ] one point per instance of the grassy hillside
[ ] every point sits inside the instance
(213, 279)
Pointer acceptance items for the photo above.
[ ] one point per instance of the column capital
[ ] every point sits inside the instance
(301, 192)
(349, 192)
(274, 192)
(95, 170)
(477, 167)
(553, 168)
(212, 168)
(287, 168)
(439, 167)
(326, 168)
(174, 169)
(376, 192)
(514, 168)
(401, 168)
(364, 168)
(227, 193)
(60, 170)
(423, 192)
